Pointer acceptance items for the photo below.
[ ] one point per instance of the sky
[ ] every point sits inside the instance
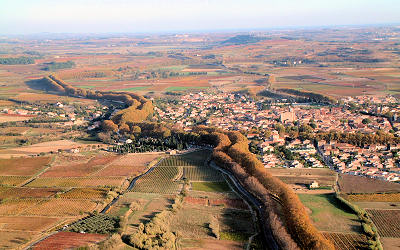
(149, 16)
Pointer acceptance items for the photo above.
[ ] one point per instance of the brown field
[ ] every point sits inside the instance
(377, 205)
(61, 207)
(387, 222)
(359, 184)
(48, 98)
(13, 180)
(230, 203)
(17, 130)
(46, 147)
(6, 103)
(391, 197)
(211, 244)
(128, 165)
(136, 159)
(344, 241)
(12, 240)
(23, 166)
(14, 118)
(18, 206)
(390, 243)
(27, 223)
(13, 193)
(324, 176)
(68, 240)
(85, 193)
(80, 170)
(78, 182)
(115, 170)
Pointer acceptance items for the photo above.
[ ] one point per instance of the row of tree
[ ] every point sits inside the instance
(151, 144)
(138, 107)
(17, 60)
(231, 151)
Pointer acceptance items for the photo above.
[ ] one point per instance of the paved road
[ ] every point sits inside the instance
(270, 242)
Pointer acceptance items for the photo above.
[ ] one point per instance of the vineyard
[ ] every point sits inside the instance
(389, 197)
(99, 223)
(78, 182)
(13, 180)
(83, 169)
(61, 207)
(345, 241)
(14, 192)
(28, 223)
(23, 166)
(68, 240)
(196, 158)
(160, 180)
(387, 222)
(85, 193)
(201, 173)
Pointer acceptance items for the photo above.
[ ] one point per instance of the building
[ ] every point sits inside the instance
(286, 117)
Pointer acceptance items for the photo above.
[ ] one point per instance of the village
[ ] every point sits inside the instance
(261, 124)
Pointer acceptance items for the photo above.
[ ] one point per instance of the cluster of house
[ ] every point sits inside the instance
(64, 111)
(375, 161)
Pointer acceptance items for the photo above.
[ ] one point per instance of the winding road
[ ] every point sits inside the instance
(269, 240)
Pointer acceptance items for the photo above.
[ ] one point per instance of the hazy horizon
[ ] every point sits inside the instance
(21, 17)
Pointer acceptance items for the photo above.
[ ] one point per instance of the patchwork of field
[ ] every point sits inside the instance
(39, 194)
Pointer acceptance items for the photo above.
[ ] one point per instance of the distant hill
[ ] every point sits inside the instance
(242, 39)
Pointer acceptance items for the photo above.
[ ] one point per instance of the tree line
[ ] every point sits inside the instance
(17, 60)
(137, 108)
(295, 228)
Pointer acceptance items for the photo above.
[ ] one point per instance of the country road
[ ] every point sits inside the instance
(269, 240)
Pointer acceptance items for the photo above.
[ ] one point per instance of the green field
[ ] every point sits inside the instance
(210, 186)
(328, 214)
(86, 86)
(133, 89)
(180, 88)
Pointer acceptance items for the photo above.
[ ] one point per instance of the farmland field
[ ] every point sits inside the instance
(345, 241)
(68, 240)
(78, 182)
(160, 180)
(12, 240)
(389, 197)
(358, 184)
(201, 173)
(328, 214)
(13, 180)
(85, 193)
(61, 207)
(210, 186)
(325, 176)
(79, 170)
(21, 192)
(23, 166)
(387, 222)
(26, 223)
